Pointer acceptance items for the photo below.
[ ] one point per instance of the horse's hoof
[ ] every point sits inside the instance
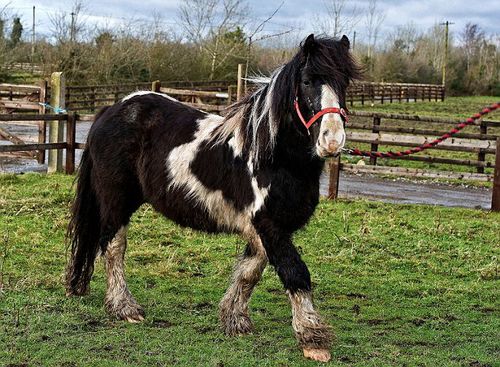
(134, 319)
(128, 310)
(237, 325)
(133, 314)
(320, 355)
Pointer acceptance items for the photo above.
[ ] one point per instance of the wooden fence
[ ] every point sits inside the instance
(69, 145)
(370, 92)
(394, 131)
(372, 130)
(404, 131)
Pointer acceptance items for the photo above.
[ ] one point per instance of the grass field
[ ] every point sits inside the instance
(401, 285)
(452, 107)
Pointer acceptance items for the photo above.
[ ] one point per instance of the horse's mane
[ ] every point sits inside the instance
(254, 121)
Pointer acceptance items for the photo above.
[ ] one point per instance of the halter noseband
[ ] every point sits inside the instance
(324, 111)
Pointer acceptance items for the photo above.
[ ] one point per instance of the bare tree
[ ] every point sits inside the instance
(373, 21)
(207, 23)
(472, 38)
(69, 27)
(256, 36)
(339, 18)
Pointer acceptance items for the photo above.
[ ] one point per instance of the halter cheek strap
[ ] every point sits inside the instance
(324, 111)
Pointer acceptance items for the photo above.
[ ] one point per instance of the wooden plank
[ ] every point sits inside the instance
(19, 105)
(374, 146)
(29, 147)
(42, 125)
(408, 140)
(239, 83)
(31, 117)
(414, 172)
(334, 175)
(12, 138)
(20, 87)
(56, 127)
(85, 117)
(156, 86)
(70, 141)
(206, 107)
(459, 162)
(196, 93)
(495, 197)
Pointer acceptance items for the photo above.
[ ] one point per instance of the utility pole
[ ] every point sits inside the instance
(33, 42)
(445, 61)
(72, 29)
(354, 41)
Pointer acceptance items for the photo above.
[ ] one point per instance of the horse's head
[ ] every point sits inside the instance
(325, 68)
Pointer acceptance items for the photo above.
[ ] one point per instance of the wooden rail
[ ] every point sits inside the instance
(69, 145)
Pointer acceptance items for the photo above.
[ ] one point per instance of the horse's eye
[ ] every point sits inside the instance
(307, 83)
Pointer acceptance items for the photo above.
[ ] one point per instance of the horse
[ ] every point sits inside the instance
(254, 172)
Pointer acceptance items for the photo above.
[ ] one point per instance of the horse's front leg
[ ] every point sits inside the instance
(234, 315)
(313, 335)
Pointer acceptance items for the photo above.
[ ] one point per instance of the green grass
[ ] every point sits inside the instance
(452, 107)
(400, 284)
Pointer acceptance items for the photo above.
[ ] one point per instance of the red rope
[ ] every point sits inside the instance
(425, 146)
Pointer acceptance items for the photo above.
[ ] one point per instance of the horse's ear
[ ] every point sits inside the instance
(345, 41)
(309, 44)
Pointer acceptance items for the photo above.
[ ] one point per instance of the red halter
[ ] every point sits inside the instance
(324, 111)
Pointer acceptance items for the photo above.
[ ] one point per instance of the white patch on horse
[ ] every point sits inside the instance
(262, 111)
(236, 143)
(145, 92)
(332, 126)
(180, 174)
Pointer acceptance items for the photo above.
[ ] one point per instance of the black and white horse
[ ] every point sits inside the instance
(254, 172)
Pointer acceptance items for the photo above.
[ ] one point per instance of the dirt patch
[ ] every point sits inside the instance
(162, 324)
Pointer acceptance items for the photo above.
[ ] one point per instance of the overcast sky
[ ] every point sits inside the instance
(302, 15)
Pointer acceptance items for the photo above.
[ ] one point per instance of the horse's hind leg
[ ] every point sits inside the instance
(247, 273)
(119, 301)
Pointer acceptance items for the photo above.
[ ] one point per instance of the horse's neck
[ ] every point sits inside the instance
(293, 154)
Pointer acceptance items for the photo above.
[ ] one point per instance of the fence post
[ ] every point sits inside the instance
(92, 100)
(229, 94)
(56, 128)
(155, 86)
(374, 146)
(239, 87)
(495, 197)
(42, 125)
(442, 93)
(481, 156)
(70, 143)
(333, 183)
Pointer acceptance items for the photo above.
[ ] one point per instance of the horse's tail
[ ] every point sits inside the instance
(84, 230)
